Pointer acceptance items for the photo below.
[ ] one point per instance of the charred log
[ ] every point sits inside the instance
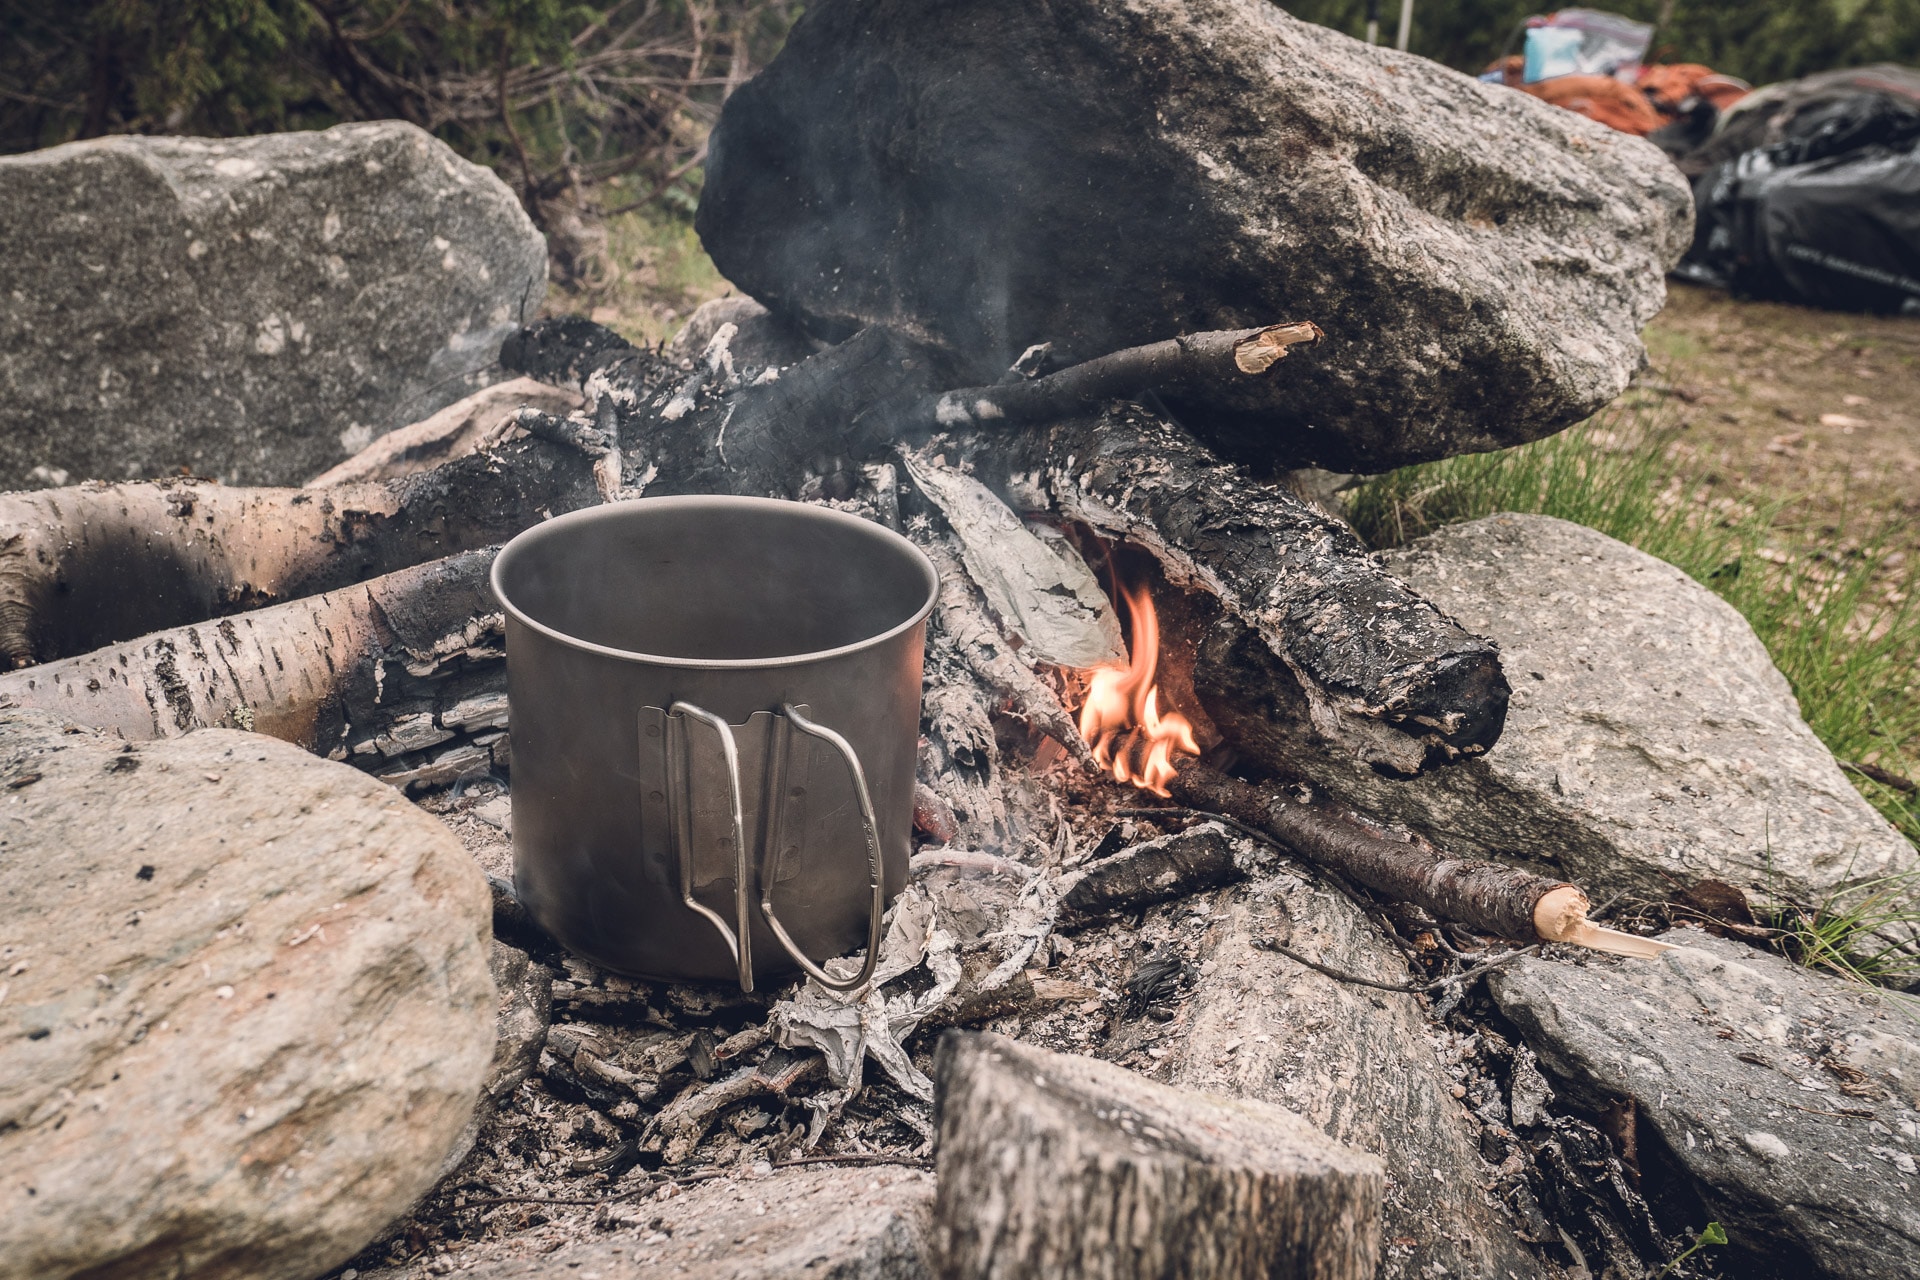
(1321, 641)
(720, 427)
(962, 617)
(1154, 871)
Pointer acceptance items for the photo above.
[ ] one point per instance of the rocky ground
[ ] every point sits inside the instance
(1539, 1124)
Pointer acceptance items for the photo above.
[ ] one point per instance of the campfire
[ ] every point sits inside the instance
(1122, 860)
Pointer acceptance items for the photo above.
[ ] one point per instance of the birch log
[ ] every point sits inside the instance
(311, 671)
(98, 564)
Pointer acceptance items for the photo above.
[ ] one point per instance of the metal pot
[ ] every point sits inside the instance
(715, 708)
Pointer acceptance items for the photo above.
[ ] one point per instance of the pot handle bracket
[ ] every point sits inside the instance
(680, 819)
(738, 935)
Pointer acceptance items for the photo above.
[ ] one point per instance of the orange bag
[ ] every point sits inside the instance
(1602, 98)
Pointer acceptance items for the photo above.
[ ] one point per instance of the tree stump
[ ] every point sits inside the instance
(1066, 1167)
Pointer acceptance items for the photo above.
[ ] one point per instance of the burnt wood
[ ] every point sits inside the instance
(1322, 647)
(1353, 660)
(1489, 896)
(1174, 866)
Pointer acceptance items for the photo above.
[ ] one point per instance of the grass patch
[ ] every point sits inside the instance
(1858, 936)
(1836, 611)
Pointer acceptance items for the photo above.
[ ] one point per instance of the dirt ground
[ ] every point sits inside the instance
(1796, 401)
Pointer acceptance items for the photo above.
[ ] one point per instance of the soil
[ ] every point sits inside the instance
(1795, 401)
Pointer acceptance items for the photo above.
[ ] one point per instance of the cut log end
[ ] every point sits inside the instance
(1060, 1166)
(1560, 913)
(1259, 353)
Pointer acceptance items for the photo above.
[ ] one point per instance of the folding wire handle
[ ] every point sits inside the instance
(680, 819)
(788, 720)
(680, 808)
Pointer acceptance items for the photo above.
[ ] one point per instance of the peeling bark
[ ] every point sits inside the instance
(404, 675)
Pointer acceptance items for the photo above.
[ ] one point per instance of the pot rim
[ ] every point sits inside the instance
(613, 510)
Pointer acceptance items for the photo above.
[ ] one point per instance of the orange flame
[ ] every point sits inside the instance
(1121, 717)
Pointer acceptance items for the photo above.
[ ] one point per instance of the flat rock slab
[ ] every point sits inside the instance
(255, 309)
(1355, 1062)
(1650, 742)
(823, 1224)
(244, 1005)
(1787, 1098)
(1100, 175)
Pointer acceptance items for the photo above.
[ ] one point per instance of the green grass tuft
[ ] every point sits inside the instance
(1858, 935)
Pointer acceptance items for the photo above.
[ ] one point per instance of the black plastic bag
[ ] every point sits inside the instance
(1828, 214)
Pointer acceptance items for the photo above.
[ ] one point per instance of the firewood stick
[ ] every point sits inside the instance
(1488, 896)
(1183, 361)
(90, 565)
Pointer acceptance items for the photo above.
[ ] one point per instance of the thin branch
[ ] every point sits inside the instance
(1191, 359)
(698, 158)
(1410, 988)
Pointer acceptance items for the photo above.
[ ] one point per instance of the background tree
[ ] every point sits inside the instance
(557, 95)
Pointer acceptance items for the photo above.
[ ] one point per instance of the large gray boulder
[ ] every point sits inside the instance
(1650, 742)
(254, 309)
(244, 1005)
(1098, 175)
(1790, 1102)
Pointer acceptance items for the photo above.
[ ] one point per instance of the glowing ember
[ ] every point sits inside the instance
(1121, 717)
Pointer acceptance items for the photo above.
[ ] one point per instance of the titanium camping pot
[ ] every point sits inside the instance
(715, 709)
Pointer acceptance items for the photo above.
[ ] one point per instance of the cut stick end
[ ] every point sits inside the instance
(1259, 353)
(1559, 913)
(1561, 916)
(1595, 938)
